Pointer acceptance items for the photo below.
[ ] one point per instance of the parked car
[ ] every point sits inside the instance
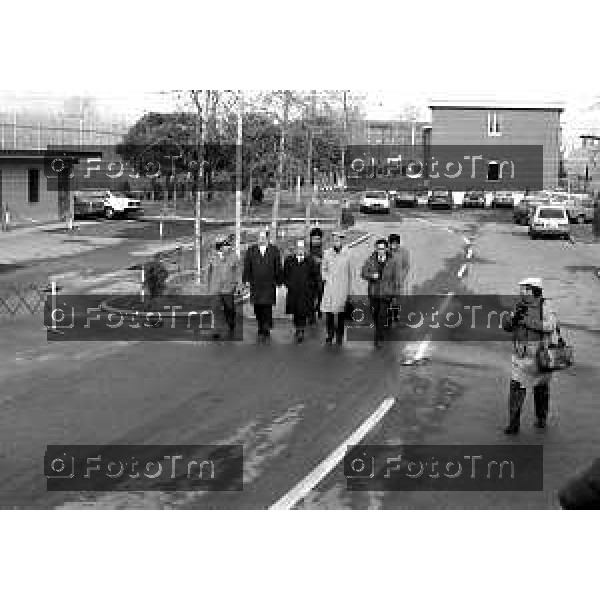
(406, 198)
(550, 221)
(523, 211)
(580, 209)
(87, 206)
(116, 204)
(375, 201)
(474, 198)
(421, 197)
(441, 198)
(503, 200)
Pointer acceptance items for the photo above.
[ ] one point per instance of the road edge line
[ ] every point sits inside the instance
(301, 489)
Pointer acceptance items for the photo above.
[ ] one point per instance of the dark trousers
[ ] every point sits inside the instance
(264, 317)
(541, 399)
(229, 310)
(332, 327)
(381, 315)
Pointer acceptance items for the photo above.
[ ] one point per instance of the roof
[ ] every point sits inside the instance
(549, 106)
(41, 154)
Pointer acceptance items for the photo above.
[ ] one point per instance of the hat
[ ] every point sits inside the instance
(531, 282)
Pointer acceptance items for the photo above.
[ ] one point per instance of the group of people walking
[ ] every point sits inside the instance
(319, 282)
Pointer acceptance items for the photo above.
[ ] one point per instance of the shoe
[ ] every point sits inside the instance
(328, 341)
(540, 423)
(299, 336)
(511, 430)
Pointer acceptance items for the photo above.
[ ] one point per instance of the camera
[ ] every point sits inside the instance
(60, 467)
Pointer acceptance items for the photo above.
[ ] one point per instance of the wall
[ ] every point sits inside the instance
(15, 192)
(518, 127)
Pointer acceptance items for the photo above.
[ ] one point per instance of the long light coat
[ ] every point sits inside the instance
(527, 339)
(337, 277)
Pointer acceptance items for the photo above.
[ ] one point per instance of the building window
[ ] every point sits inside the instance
(493, 124)
(493, 171)
(33, 177)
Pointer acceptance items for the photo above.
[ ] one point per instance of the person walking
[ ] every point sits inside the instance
(533, 324)
(401, 257)
(337, 281)
(301, 276)
(316, 251)
(262, 270)
(224, 280)
(379, 271)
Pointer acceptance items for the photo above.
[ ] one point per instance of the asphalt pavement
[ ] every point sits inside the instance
(292, 406)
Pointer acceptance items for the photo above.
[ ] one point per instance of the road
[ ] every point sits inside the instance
(292, 406)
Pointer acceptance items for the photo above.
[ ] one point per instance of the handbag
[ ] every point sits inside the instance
(554, 357)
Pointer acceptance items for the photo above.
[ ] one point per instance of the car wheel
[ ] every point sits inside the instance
(109, 212)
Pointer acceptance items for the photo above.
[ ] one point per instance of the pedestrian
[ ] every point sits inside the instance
(224, 280)
(337, 279)
(379, 271)
(301, 276)
(257, 194)
(401, 256)
(316, 251)
(532, 325)
(262, 270)
(583, 491)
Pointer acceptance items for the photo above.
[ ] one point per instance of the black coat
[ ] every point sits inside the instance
(262, 273)
(301, 280)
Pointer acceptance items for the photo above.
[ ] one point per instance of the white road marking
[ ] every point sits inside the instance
(462, 270)
(320, 471)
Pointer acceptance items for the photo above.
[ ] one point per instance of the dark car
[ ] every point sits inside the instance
(474, 199)
(503, 200)
(405, 198)
(441, 198)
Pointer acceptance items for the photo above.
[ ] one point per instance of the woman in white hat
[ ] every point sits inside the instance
(533, 324)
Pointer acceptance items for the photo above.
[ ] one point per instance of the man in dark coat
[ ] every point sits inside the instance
(301, 276)
(316, 251)
(262, 270)
(402, 263)
(380, 271)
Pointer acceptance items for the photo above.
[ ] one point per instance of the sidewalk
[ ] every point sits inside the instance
(34, 243)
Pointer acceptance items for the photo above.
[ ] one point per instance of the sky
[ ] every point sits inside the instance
(582, 110)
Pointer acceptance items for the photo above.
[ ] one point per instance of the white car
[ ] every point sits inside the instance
(115, 204)
(375, 202)
(549, 220)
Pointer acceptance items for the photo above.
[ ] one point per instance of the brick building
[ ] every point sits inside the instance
(501, 124)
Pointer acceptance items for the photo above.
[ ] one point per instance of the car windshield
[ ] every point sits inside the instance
(551, 213)
(440, 193)
(378, 195)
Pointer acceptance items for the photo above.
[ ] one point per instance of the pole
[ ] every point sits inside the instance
(200, 136)
(286, 98)
(309, 170)
(238, 192)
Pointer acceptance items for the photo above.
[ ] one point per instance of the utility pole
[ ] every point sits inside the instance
(286, 100)
(309, 170)
(239, 159)
(200, 137)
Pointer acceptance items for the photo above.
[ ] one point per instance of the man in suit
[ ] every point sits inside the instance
(301, 276)
(262, 270)
(401, 257)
